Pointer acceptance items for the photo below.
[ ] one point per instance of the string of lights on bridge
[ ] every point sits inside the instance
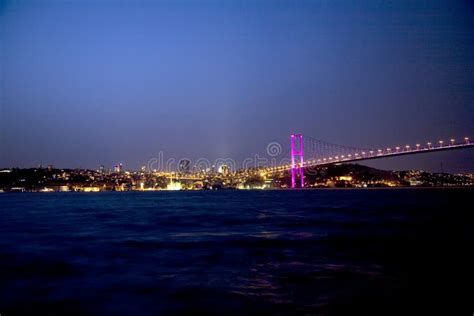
(365, 154)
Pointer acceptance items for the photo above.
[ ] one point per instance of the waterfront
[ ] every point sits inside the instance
(333, 176)
(236, 252)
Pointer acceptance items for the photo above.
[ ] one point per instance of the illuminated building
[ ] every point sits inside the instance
(173, 186)
(118, 168)
(224, 169)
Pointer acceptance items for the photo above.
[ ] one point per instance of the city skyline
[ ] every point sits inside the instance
(319, 154)
(89, 84)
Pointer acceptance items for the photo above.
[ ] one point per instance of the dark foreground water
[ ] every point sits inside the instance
(348, 252)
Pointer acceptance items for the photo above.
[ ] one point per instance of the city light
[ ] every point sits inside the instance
(124, 180)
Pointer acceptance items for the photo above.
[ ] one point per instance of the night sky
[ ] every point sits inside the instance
(87, 83)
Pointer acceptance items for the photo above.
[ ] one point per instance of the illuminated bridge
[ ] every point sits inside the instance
(321, 153)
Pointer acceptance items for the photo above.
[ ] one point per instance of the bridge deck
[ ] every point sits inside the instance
(369, 156)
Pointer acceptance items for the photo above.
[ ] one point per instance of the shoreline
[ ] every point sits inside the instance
(268, 189)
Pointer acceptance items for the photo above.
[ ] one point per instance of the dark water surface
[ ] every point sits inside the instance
(350, 252)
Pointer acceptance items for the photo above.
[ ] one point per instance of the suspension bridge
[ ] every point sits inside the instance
(308, 152)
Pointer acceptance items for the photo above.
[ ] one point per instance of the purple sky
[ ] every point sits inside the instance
(85, 83)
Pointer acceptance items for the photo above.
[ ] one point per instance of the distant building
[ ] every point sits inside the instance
(118, 168)
(224, 169)
(184, 166)
(173, 186)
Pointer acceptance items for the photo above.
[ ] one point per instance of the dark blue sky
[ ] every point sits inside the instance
(85, 83)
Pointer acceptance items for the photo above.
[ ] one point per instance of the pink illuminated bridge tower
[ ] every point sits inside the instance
(297, 154)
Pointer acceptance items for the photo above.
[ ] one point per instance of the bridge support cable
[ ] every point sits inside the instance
(320, 151)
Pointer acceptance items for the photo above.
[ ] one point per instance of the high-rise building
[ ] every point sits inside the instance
(224, 169)
(118, 168)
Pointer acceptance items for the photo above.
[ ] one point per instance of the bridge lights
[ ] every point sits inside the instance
(452, 141)
(379, 151)
(324, 159)
(356, 154)
(389, 149)
(418, 146)
(342, 156)
(429, 144)
(441, 143)
(407, 147)
(466, 139)
(349, 155)
(363, 153)
(371, 152)
(397, 148)
(337, 157)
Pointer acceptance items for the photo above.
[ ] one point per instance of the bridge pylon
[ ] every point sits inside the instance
(297, 159)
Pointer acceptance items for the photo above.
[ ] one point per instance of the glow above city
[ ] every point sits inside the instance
(90, 84)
